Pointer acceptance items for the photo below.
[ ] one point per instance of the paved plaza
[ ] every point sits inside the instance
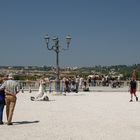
(83, 116)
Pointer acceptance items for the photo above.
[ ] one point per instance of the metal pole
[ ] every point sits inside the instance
(57, 71)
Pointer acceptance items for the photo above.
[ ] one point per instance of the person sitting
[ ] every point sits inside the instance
(85, 88)
(41, 96)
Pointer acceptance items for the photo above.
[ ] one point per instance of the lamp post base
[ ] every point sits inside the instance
(57, 85)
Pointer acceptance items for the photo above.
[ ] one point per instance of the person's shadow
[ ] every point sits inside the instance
(25, 122)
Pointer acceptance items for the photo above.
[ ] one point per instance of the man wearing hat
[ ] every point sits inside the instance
(11, 89)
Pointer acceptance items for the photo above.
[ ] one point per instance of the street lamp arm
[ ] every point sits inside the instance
(50, 48)
(64, 49)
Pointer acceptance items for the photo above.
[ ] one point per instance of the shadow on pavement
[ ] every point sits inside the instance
(24, 122)
(43, 100)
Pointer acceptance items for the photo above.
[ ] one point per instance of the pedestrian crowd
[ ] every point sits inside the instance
(9, 88)
(75, 84)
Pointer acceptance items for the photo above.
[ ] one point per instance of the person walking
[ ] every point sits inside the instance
(11, 88)
(133, 88)
(2, 102)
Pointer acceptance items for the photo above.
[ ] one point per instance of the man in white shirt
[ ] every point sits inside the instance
(11, 89)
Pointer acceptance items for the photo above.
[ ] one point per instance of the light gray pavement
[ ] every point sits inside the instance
(82, 116)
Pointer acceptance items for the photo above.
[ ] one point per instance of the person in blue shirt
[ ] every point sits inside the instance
(2, 102)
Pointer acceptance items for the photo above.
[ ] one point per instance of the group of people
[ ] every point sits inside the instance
(8, 91)
(75, 84)
(71, 84)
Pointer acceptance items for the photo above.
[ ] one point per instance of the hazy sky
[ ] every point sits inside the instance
(104, 32)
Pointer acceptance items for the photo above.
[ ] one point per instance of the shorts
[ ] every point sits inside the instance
(132, 91)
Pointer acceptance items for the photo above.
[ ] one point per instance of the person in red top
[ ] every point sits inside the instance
(133, 87)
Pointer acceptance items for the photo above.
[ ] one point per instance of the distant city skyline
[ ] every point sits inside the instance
(104, 32)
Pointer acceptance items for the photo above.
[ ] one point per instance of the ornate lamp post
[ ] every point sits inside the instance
(57, 48)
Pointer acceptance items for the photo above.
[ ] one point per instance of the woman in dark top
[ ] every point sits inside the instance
(2, 102)
(133, 89)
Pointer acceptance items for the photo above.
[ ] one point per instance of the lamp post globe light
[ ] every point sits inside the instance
(57, 48)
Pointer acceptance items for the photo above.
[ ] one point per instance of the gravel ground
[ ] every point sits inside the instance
(82, 116)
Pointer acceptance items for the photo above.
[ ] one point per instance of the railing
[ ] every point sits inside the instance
(50, 86)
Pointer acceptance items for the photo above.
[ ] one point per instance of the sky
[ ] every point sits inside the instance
(104, 32)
